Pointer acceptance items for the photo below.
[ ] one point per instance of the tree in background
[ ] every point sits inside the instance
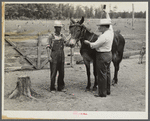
(98, 12)
(79, 12)
(61, 11)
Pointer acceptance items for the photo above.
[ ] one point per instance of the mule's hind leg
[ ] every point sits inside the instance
(116, 66)
(115, 79)
(87, 64)
(95, 75)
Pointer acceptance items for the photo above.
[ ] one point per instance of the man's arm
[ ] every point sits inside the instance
(49, 47)
(49, 54)
(98, 43)
(66, 39)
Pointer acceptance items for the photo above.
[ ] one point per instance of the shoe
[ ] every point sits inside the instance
(64, 90)
(60, 88)
(108, 93)
(96, 95)
(52, 89)
(100, 95)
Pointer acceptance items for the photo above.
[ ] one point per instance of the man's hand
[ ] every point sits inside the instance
(67, 44)
(87, 42)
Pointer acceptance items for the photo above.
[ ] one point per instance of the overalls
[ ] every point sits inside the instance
(57, 63)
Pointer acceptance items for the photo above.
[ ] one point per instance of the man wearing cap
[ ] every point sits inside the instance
(55, 52)
(103, 46)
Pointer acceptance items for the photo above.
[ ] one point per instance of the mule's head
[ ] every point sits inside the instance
(75, 29)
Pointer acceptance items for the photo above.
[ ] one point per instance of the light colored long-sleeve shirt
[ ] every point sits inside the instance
(104, 42)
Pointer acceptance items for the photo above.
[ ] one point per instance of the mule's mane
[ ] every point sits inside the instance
(92, 34)
(84, 30)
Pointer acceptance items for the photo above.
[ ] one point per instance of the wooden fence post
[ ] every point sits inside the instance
(133, 16)
(72, 57)
(39, 52)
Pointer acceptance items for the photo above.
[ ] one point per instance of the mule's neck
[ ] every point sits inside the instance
(92, 37)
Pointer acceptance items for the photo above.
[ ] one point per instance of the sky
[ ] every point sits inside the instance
(121, 6)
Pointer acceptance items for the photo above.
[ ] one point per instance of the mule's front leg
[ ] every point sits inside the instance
(87, 64)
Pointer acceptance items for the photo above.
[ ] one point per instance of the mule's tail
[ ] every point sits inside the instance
(118, 44)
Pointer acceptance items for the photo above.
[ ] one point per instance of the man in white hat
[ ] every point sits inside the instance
(55, 51)
(103, 46)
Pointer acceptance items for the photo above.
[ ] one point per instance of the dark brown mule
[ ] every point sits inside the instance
(80, 33)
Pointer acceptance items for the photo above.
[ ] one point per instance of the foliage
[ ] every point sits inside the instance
(60, 11)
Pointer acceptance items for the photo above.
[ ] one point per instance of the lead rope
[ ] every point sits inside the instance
(92, 36)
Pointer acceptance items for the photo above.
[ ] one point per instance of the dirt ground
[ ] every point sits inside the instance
(128, 95)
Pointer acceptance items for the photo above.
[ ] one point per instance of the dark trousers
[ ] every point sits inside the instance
(57, 65)
(103, 60)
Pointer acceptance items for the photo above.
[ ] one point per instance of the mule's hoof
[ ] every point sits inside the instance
(113, 84)
(94, 89)
(87, 89)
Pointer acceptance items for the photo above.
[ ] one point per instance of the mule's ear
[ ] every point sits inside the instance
(82, 20)
(72, 21)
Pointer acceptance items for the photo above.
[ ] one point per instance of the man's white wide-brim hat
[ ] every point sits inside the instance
(57, 23)
(104, 22)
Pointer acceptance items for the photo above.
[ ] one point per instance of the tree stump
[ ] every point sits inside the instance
(23, 87)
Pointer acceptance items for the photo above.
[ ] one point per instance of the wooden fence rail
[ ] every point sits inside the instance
(42, 60)
(21, 53)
